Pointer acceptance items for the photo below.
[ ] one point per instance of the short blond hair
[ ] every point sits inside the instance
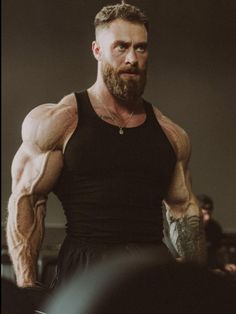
(122, 11)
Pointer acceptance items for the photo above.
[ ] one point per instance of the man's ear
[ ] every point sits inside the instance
(96, 48)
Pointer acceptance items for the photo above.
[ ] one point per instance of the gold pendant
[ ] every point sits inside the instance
(121, 131)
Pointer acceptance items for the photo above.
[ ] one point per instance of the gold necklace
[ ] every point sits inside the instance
(121, 128)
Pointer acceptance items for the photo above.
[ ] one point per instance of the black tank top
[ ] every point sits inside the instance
(112, 186)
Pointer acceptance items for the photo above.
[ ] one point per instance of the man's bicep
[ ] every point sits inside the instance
(33, 175)
(25, 168)
(25, 173)
(34, 171)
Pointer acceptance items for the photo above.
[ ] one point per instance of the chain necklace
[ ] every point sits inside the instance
(121, 128)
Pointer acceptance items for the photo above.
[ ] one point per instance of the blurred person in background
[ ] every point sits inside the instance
(214, 236)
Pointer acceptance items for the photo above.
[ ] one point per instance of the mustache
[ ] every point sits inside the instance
(130, 70)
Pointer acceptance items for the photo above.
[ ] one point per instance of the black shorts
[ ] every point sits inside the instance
(77, 256)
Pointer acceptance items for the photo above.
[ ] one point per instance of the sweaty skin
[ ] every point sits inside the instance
(45, 133)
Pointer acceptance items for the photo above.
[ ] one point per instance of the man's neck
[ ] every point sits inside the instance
(101, 95)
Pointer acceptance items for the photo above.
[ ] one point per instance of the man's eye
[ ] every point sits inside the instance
(121, 47)
(141, 49)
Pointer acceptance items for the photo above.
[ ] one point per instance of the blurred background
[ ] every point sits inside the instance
(46, 54)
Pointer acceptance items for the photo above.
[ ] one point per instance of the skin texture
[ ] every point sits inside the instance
(46, 131)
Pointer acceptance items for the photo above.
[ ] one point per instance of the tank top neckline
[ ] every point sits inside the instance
(102, 122)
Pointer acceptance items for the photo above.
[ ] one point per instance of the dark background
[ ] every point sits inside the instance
(47, 54)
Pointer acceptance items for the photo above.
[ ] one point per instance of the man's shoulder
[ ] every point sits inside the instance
(48, 123)
(177, 136)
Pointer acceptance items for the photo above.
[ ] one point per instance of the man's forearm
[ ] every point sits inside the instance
(24, 263)
(188, 237)
(25, 228)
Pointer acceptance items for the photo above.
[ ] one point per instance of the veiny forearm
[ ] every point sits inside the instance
(25, 228)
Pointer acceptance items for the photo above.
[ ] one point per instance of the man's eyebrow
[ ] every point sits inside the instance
(123, 42)
(143, 44)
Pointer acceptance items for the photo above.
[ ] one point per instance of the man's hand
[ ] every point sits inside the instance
(230, 268)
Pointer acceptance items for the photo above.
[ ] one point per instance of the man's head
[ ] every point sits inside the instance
(206, 205)
(121, 50)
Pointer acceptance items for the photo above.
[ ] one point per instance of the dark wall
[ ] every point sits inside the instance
(47, 54)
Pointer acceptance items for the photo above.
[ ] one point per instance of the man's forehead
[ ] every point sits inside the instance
(122, 30)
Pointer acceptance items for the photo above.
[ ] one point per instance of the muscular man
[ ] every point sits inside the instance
(112, 159)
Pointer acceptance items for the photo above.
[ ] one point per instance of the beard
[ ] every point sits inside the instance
(124, 89)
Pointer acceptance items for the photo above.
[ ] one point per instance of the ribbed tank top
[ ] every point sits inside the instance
(112, 186)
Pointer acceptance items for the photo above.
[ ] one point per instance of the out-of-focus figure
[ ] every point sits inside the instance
(214, 236)
(214, 233)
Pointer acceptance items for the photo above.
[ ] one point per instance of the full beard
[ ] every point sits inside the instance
(124, 89)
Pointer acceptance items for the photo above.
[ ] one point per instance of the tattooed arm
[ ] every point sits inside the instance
(185, 225)
(186, 233)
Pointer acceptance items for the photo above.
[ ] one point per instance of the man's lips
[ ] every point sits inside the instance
(130, 74)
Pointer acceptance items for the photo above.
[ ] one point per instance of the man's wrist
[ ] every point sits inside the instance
(30, 284)
(35, 285)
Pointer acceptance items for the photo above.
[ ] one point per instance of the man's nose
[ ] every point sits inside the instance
(131, 57)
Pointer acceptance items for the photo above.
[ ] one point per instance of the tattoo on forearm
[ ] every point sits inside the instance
(187, 235)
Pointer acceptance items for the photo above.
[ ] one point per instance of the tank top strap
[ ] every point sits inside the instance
(83, 103)
(151, 118)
